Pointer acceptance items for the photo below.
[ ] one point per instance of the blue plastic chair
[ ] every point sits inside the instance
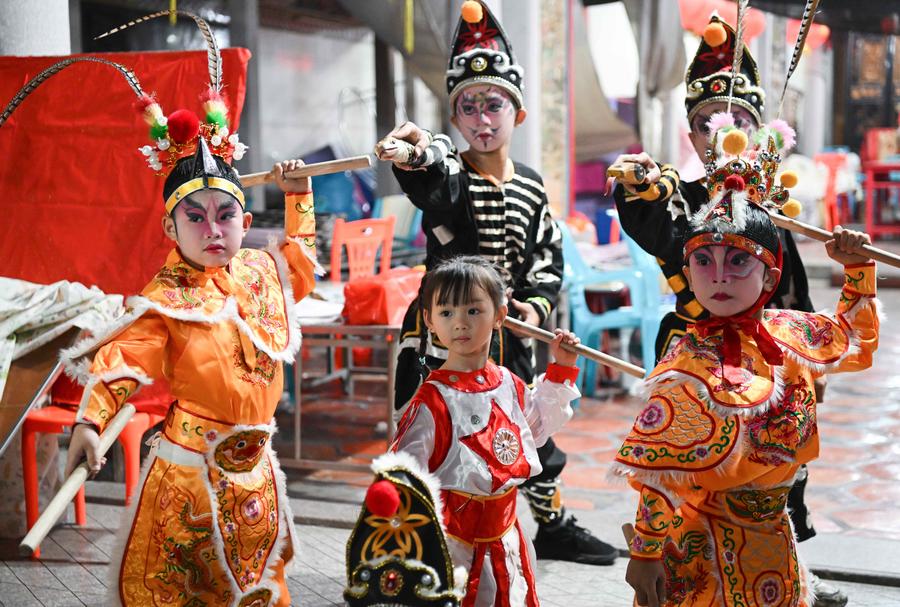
(644, 313)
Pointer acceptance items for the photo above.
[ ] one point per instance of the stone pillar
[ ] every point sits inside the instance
(556, 139)
(34, 28)
(385, 113)
(522, 23)
(244, 32)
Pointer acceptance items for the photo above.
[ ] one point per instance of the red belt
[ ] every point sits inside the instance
(478, 518)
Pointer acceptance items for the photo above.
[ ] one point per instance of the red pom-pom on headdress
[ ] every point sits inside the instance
(735, 182)
(183, 126)
(383, 499)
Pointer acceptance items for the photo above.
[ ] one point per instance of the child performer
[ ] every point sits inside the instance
(212, 524)
(480, 202)
(476, 427)
(732, 410)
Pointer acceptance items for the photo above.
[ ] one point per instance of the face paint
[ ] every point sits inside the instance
(726, 280)
(486, 116)
(210, 227)
(699, 134)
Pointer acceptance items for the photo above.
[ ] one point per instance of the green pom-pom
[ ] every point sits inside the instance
(216, 118)
(158, 131)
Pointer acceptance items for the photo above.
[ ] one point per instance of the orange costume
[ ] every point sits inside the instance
(714, 458)
(212, 524)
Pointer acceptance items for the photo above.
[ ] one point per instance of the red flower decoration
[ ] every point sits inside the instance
(479, 35)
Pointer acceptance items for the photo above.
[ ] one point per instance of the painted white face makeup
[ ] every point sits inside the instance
(726, 280)
(486, 116)
(210, 228)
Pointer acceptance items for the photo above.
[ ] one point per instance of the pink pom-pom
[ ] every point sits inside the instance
(787, 132)
(383, 499)
(211, 94)
(718, 121)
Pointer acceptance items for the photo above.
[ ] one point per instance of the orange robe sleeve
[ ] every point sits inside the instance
(857, 312)
(652, 522)
(120, 367)
(299, 248)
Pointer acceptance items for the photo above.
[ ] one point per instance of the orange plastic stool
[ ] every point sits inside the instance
(54, 420)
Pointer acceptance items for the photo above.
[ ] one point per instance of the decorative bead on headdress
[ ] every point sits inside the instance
(482, 54)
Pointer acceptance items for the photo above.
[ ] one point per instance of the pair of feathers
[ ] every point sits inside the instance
(214, 64)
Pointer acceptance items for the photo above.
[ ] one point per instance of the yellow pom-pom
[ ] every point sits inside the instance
(792, 208)
(788, 179)
(735, 142)
(715, 34)
(472, 12)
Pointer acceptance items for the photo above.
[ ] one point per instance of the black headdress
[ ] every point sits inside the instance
(709, 76)
(482, 54)
(397, 554)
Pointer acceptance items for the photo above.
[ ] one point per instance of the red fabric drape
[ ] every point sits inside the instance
(77, 200)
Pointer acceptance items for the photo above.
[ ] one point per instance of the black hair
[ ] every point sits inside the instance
(758, 227)
(454, 280)
(191, 167)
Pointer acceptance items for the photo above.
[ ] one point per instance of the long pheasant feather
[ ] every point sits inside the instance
(214, 58)
(742, 7)
(59, 66)
(809, 15)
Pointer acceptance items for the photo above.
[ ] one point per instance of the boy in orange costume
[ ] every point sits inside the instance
(211, 524)
(731, 414)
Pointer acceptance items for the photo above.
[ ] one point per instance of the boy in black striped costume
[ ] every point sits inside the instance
(656, 215)
(480, 202)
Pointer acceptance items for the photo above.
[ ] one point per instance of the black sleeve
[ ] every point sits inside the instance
(435, 188)
(541, 277)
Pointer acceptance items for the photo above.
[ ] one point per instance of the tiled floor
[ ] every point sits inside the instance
(853, 493)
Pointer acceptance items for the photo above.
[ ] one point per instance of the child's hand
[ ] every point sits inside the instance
(564, 357)
(648, 580)
(845, 245)
(409, 132)
(85, 441)
(303, 184)
(653, 172)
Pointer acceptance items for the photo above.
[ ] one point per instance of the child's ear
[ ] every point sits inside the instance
(520, 116)
(168, 226)
(248, 219)
(773, 275)
(426, 316)
(454, 122)
(502, 311)
(687, 274)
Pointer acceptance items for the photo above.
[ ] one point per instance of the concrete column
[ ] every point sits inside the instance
(34, 28)
(385, 113)
(244, 32)
(522, 23)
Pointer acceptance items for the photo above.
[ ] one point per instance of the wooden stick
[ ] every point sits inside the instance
(57, 506)
(823, 235)
(595, 355)
(310, 170)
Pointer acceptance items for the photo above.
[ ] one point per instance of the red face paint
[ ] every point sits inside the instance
(486, 116)
(210, 228)
(726, 280)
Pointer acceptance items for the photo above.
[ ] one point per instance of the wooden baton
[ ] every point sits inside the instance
(310, 170)
(824, 235)
(595, 355)
(57, 506)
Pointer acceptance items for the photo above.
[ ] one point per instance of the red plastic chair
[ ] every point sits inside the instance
(362, 238)
(54, 419)
(833, 161)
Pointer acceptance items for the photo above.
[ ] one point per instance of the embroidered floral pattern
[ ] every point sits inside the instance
(757, 505)
(265, 306)
(813, 335)
(248, 532)
(180, 287)
(263, 372)
(686, 580)
(655, 417)
(777, 434)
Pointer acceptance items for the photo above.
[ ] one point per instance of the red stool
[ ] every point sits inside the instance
(54, 420)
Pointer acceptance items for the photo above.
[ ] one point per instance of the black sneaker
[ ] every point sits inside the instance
(566, 541)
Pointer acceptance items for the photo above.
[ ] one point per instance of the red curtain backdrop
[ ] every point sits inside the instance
(77, 200)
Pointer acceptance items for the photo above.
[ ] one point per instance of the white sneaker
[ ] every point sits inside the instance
(827, 594)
